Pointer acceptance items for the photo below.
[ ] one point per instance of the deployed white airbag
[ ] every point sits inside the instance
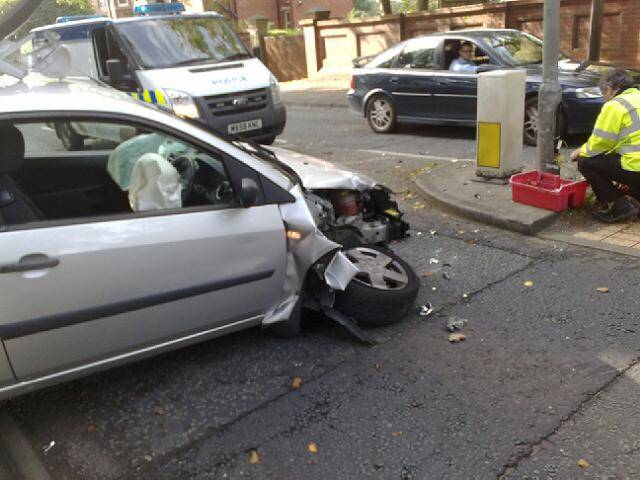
(155, 184)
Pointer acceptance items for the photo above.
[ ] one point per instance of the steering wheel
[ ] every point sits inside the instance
(186, 167)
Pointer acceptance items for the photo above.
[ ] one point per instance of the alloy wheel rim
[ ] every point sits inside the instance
(377, 270)
(531, 121)
(380, 113)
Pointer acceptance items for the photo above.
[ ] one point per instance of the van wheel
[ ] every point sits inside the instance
(382, 292)
(70, 139)
(268, 141)
(381, 114)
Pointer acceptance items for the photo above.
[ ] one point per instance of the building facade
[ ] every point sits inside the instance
(288, 13)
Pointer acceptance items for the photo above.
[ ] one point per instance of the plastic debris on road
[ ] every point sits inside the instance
(426, 310)
(454, 324)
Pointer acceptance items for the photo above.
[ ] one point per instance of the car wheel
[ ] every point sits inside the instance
(70, 139)
(268, 141)
(381, 114)
(531, 121)
(383, 291)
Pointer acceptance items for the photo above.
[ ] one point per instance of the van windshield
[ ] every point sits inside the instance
(171, 42)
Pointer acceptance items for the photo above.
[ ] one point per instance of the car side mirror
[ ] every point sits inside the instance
(248, 192)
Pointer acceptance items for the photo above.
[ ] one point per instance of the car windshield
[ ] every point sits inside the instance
(516, 49)
(171, 42)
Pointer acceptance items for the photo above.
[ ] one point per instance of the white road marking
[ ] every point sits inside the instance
(413, 155)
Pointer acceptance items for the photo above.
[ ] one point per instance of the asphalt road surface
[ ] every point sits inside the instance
(546, 378)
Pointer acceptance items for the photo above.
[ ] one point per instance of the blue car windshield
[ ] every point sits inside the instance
(181, 40)
(515, 48)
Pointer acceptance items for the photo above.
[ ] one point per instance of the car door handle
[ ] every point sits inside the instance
(394, 80)
(33, 261)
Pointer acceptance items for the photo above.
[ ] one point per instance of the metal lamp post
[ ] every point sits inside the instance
(550, 91)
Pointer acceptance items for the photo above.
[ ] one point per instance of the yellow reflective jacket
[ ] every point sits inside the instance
(618, 130)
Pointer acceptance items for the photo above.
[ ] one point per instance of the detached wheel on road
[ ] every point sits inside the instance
(382, 292)
(381, 114)
(70, 139)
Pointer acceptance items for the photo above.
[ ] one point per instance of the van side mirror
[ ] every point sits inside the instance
(248, 192)
(115, 71)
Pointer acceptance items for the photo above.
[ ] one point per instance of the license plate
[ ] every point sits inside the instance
(247, 126)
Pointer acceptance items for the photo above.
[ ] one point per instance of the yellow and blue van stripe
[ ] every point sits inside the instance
(151, 96)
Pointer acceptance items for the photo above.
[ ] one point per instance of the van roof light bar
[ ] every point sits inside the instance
(144, 8)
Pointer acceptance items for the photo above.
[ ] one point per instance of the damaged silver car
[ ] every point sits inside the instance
(174, 236)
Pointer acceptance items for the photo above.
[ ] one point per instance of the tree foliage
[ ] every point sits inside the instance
(48, 11)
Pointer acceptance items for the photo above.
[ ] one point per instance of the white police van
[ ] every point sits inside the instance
(194, 64)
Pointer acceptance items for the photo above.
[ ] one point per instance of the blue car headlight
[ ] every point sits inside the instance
(588, 92)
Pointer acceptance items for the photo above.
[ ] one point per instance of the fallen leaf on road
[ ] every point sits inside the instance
(396, 434)
(427, 274)
(296, 383)
(528, 284)
(457, 337)
(582, 463)
(91, 429)
(603, 289)
(472, 242)
(377, 366)
(313, 448)
(254, 457)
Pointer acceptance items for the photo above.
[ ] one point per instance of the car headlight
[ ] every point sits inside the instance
(275, 90)
(588, 92)
(182, 104)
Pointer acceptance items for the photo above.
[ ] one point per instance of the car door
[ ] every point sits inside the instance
(412, 82)
(456, 93)
(81, 291)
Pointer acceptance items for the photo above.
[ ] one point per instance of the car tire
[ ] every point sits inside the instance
(531, 116)
(381, 114)
(530, 132)
(368, 301)
(268, 141)
(70, 139)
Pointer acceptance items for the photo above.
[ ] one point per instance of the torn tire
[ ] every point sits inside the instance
(382, 292)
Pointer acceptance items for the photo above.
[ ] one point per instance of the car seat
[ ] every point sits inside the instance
(15, 205)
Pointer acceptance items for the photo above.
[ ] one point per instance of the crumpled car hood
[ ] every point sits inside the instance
(319, 174)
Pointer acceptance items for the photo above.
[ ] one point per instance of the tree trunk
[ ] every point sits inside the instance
(423, 5)
(386, 7)
(595, 30)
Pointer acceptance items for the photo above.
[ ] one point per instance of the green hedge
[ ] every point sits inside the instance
(48, 11)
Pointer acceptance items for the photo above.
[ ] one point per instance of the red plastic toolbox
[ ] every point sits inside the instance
(547, 190)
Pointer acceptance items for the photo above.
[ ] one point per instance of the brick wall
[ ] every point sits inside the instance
(332, 44)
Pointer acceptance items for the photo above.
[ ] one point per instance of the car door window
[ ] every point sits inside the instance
(80, 169)
(418, 54)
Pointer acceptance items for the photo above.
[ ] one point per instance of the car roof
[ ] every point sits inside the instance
(104, 20)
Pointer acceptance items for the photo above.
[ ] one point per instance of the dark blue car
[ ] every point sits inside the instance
(411, 82)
